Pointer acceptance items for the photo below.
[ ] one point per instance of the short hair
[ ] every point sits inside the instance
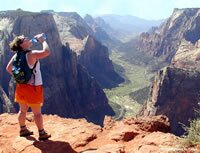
(15, 45)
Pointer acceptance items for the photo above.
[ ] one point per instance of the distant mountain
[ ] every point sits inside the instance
(103, 31)
(164, 41)
(99, 28)
(129, 26)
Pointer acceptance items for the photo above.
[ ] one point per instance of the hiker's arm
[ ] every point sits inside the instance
(9, 66)
(39, 54)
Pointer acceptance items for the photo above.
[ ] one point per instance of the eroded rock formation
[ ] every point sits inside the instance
(164, 41)
(69, 89)
(91, 53)
(175, 93)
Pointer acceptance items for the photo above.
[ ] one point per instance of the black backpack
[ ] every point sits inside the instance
(21, 71)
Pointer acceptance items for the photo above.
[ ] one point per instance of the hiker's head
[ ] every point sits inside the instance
(20, 43)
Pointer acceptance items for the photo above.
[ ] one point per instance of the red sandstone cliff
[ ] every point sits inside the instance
(134, 135)
(174, 93)
(175, 90)
(164, 41)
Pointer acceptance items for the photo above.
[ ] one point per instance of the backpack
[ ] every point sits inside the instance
(21, 71)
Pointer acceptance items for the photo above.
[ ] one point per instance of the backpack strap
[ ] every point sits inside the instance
(33, 69)
(34, 65)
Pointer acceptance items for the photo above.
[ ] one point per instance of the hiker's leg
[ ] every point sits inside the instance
(22, 119)
(43, 135)
(22, 114)
(38, 117)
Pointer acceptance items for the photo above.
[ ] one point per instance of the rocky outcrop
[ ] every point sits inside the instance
(91, 53)
(69, 89)
(187, 56)
(72, 29)
(175, 93)
(138, 135)
(182, 24)
(75, 24)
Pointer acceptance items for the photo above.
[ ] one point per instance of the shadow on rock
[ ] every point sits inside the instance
(50, 146)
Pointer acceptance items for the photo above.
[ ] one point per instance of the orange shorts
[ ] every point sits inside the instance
(29, 94)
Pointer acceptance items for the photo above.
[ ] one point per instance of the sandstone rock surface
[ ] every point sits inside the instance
(141, 135)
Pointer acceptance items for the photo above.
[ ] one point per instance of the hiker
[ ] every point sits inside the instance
(30, 94)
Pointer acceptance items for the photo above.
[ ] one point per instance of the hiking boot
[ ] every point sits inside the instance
(43, 135)
(25, 132)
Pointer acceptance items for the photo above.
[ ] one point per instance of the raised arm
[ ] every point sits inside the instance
(39, 54)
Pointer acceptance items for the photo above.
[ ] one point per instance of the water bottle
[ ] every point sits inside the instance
(34, 40)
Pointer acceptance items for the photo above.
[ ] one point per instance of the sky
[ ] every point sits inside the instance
(146, 9)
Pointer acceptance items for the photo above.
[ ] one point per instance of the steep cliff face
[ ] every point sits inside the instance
(63, 77)
(175, 93)
(6, 27)
(95, 58)
(2, 99)
(164, 41)
(91, 53)
(5, 103)
(72, 29)
(77, 26)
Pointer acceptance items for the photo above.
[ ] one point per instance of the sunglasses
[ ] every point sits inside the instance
(25, 38)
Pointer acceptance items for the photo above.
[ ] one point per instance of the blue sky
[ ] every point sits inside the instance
(147, 9)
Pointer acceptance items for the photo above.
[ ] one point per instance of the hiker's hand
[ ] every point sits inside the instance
(40, 37)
